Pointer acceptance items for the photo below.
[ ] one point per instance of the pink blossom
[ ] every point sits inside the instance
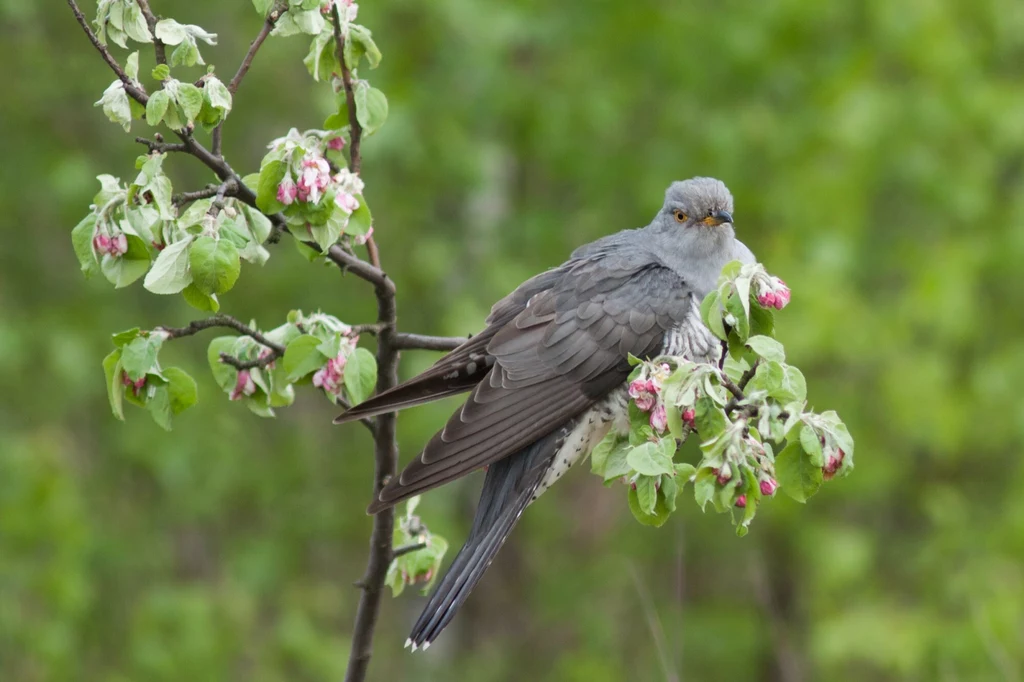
(766, 299)
(330, 377)
(346, 202)
(361, 239)
(644, 393)
(265, 353)
(136, 385)
(689, 417)
(741, 501)
(769, 486)
(287, 191)
(244, 386)
(659, 418)
(101, 243)
(315, 176)
(724, 474)
(782, 296)
(336, 143)
(115, 246)
(833, 464)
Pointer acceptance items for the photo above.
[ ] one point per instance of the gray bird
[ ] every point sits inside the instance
(548, 374)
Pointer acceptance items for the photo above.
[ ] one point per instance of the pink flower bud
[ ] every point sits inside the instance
(769, 486)
(361, 239)
(632, 485)
(833, 464)
(724, 474)
(659, 418)
(741, 501)
(244, 386)
(346, 202)
(766, 299)
(118, 245)
(287, 192)
(689, 416)
(336, 143)
(101, 243)
(644, 394)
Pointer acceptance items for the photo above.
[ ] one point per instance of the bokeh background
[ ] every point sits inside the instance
(875, 150)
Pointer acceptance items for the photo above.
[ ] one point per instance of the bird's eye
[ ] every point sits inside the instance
(680, 216)
(711, 212)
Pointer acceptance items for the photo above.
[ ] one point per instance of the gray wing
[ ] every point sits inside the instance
(551, 361)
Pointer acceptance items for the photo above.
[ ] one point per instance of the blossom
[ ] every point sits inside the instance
(724, 474)
(833, 464)
(659, 418)
(287, 191)
(773, 293)
(689, 417)
(644, 393)
(769, 486)
(346, 202)
(336, 143)
(330, 377)
(741, 501)
(314, 178)
(244, 386)
(361, 239)
(349, 182)
(115, 245)
(136, 385)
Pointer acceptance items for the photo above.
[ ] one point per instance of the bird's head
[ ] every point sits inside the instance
(697, 203)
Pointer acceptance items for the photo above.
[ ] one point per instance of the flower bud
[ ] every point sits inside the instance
(724, 474)
(689, 416)
(659, 418)
(769, 486)
(336, 143)
(244, 386)
(741, 501)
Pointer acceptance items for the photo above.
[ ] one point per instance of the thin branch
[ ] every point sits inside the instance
(158, 145)
(134, 90)
(222, 320)
(188, 197)
(422, 342)
(748, 375)
(158, 45)
(254, 47)
(261, 362)
(371, 329)
(350, 97)
(361, 269)
(736, 391)
(408, 549)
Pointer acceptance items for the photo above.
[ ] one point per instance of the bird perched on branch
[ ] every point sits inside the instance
(547, 376)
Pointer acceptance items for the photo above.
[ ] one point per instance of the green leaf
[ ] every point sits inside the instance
(263, 6)
(115, 105)
(224, 375)
(191, 100)
(170, 32)
(709, 418)
(259, 224)
(360, 221)
(811, 444)
(129, 267)
(215, 265)
(650, 459)
(646, 493)
(131, 65)
(762, 321)
(161, 72)
(156, 107)
(159, 407)
(360, 375)
(684, 471)
(797, 476)
(767, 347)
(660, 511)
(120, 339)
(361, 40)
(271, 175)
(310, 22)
(599, 455)
(115, 389)
(181, 389)
(734, 306)
(170, 273)
(139, 357)
(217, 94)
(794, 386)
(199, 300)
(371, 108)
(136, 27)
(81, 240)
(704, 486)
(302, 357)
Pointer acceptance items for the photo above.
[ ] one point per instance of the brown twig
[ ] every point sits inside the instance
(222, 320)
(260, 362)
(188, 197)
(134, 90)
(350, 97)
(159, 50)
(158, 145)
(408, 549)
(423, 342)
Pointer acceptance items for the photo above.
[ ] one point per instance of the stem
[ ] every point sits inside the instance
(158, 46)
(222, 320)
(408, 549)
(423, 342)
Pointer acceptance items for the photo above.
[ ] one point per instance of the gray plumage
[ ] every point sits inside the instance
(547, 374)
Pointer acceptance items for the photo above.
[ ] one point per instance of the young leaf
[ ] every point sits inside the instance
(360, 375)
(156, 107)
(301, 357)
(139, 357)
(767, 347)
(271, 175)
(115, 105)
(190, 98)
(159, 407)
(371, 108)
(170, 273)
(215, 265)
(115, 389)
(199, 300)
(797, 476)
(81, 239)
(181, 389)
(649, 459)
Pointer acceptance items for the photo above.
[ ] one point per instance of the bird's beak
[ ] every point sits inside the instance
(718, 218)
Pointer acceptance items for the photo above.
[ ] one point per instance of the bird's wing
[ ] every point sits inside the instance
(564, 351)
(462, 368)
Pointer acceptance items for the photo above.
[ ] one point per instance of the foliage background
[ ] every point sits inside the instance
(875, 151)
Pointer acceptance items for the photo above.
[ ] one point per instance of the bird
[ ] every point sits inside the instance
(548, 375)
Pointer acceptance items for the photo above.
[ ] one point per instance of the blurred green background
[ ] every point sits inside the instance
(876, 152)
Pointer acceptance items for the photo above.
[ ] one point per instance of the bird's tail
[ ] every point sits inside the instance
(508, 489)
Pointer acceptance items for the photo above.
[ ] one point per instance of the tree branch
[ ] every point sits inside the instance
(222, 320)
(188, 197)
(350, 98)
(408, 549)
(158, 145)
(134, 90)
(422, 342)
(158, 46)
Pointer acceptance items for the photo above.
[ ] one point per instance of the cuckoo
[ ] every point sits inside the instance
(547, 375)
